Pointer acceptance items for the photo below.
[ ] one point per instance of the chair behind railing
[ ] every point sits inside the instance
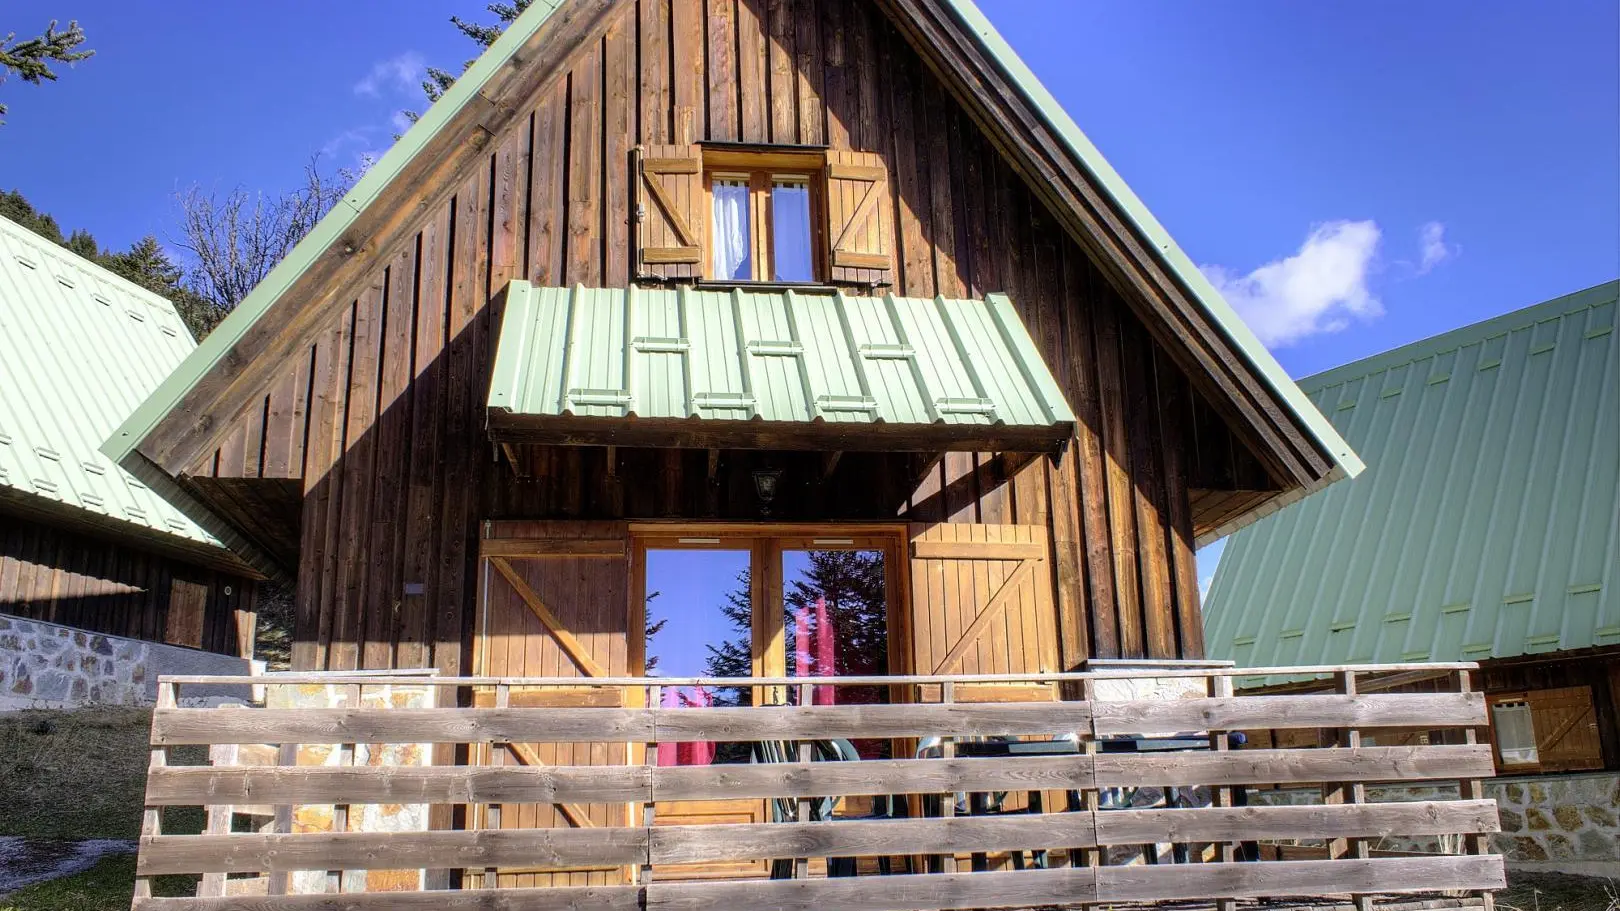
(1089, 854)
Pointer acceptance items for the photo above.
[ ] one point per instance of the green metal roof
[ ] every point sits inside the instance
(467, 90)
(80, 348)
(1488, 524)
(963, 367)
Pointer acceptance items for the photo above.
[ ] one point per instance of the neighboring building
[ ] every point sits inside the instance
(83, 543)
(1486, 528)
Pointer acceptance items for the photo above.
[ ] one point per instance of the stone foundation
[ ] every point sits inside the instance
(50, 666)
(1548, 821)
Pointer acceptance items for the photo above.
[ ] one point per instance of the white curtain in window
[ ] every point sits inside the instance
(790, 232)
(730, 231)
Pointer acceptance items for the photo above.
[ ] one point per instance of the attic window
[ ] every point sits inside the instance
(731, 213)
(760, 226)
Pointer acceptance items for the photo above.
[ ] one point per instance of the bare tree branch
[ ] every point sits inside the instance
(234, 240)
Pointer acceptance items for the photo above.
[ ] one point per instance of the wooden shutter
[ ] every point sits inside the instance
(860, 218)
(188, 604)
(553, 603)
(1566, 729)
(981, 603)
(671, 211)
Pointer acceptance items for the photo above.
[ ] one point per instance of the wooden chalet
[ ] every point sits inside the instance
(767, 277)
(83, 543)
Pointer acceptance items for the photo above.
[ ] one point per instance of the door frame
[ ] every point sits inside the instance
(766, 542)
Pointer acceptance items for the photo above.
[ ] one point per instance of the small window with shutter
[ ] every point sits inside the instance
(783, 215)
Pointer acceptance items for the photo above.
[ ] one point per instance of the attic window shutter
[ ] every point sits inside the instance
(860, 220)
(669, 211)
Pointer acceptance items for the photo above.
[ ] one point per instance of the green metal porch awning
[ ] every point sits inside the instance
(770, 369)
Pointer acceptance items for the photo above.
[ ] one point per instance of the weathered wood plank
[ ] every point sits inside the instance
(1306, 878)
(1021, 888)
(1293, 766)
(851, 721)
(870, 837)
(531, 725)
(1420, 710)
(257, 853)
(1429, 817)
(877, 776)
(182, 786)
(556, 898)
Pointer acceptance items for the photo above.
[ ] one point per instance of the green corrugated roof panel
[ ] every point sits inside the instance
(1488, 522)
(80, 348)
(772, 356)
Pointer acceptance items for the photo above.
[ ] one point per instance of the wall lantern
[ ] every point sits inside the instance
(765, 481)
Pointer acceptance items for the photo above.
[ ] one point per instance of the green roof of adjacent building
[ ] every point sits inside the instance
(788, 357)
(1487, 524)
(80, 349)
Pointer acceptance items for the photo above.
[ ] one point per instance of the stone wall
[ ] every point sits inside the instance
(50, 666)
(1567, 821)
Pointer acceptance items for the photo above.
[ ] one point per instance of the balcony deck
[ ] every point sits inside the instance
(351, 787)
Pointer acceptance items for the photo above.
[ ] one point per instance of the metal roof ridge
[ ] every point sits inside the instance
(1091, 160)
(326, 232)
(1461, 337)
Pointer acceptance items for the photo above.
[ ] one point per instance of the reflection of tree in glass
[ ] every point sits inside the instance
(852, 584)
(654, 627)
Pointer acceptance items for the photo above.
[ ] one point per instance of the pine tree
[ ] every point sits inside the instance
(147, 264)
(16, 207)
(438, 81)
(30, 60)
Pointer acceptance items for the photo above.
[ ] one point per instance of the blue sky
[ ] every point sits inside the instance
(1355, 175)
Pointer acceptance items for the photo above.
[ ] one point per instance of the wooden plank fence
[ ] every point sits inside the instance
(1092, 855)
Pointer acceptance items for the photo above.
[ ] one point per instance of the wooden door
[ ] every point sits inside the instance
(555, 603)
(981, 603)
(188, 607)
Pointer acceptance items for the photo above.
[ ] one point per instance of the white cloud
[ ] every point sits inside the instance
(402, 74)
(1318, 290)
(1433, 246)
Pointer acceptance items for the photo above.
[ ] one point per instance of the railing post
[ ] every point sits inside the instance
(1089, 803)
(286, 755)
(1474, 789)
(497, 757)
(340, 812)
(168, 697)
(1220, 687)
(1353, 792)
(801, 865)
(649, 760)
(947, 750)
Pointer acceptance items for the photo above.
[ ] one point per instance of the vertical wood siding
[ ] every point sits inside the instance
(383, 418)
(75, 580)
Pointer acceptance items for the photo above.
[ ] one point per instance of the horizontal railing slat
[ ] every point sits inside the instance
(172, 727)
(539, 849)
(850, 721)
(594, 847)
(1430, 817)
(1415, 710)
(870, 837)
(554, 898)
(1294, 766)
(917, 892)
(204, 785)
(550, 724)
(1303, 878)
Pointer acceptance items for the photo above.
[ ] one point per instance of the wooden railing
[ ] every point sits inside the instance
(1092, 854)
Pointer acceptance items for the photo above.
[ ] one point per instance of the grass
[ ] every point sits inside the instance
(81, 774)
(108, 886)
(1557, 892)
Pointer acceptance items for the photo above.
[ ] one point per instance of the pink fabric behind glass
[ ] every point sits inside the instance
(824, 654)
